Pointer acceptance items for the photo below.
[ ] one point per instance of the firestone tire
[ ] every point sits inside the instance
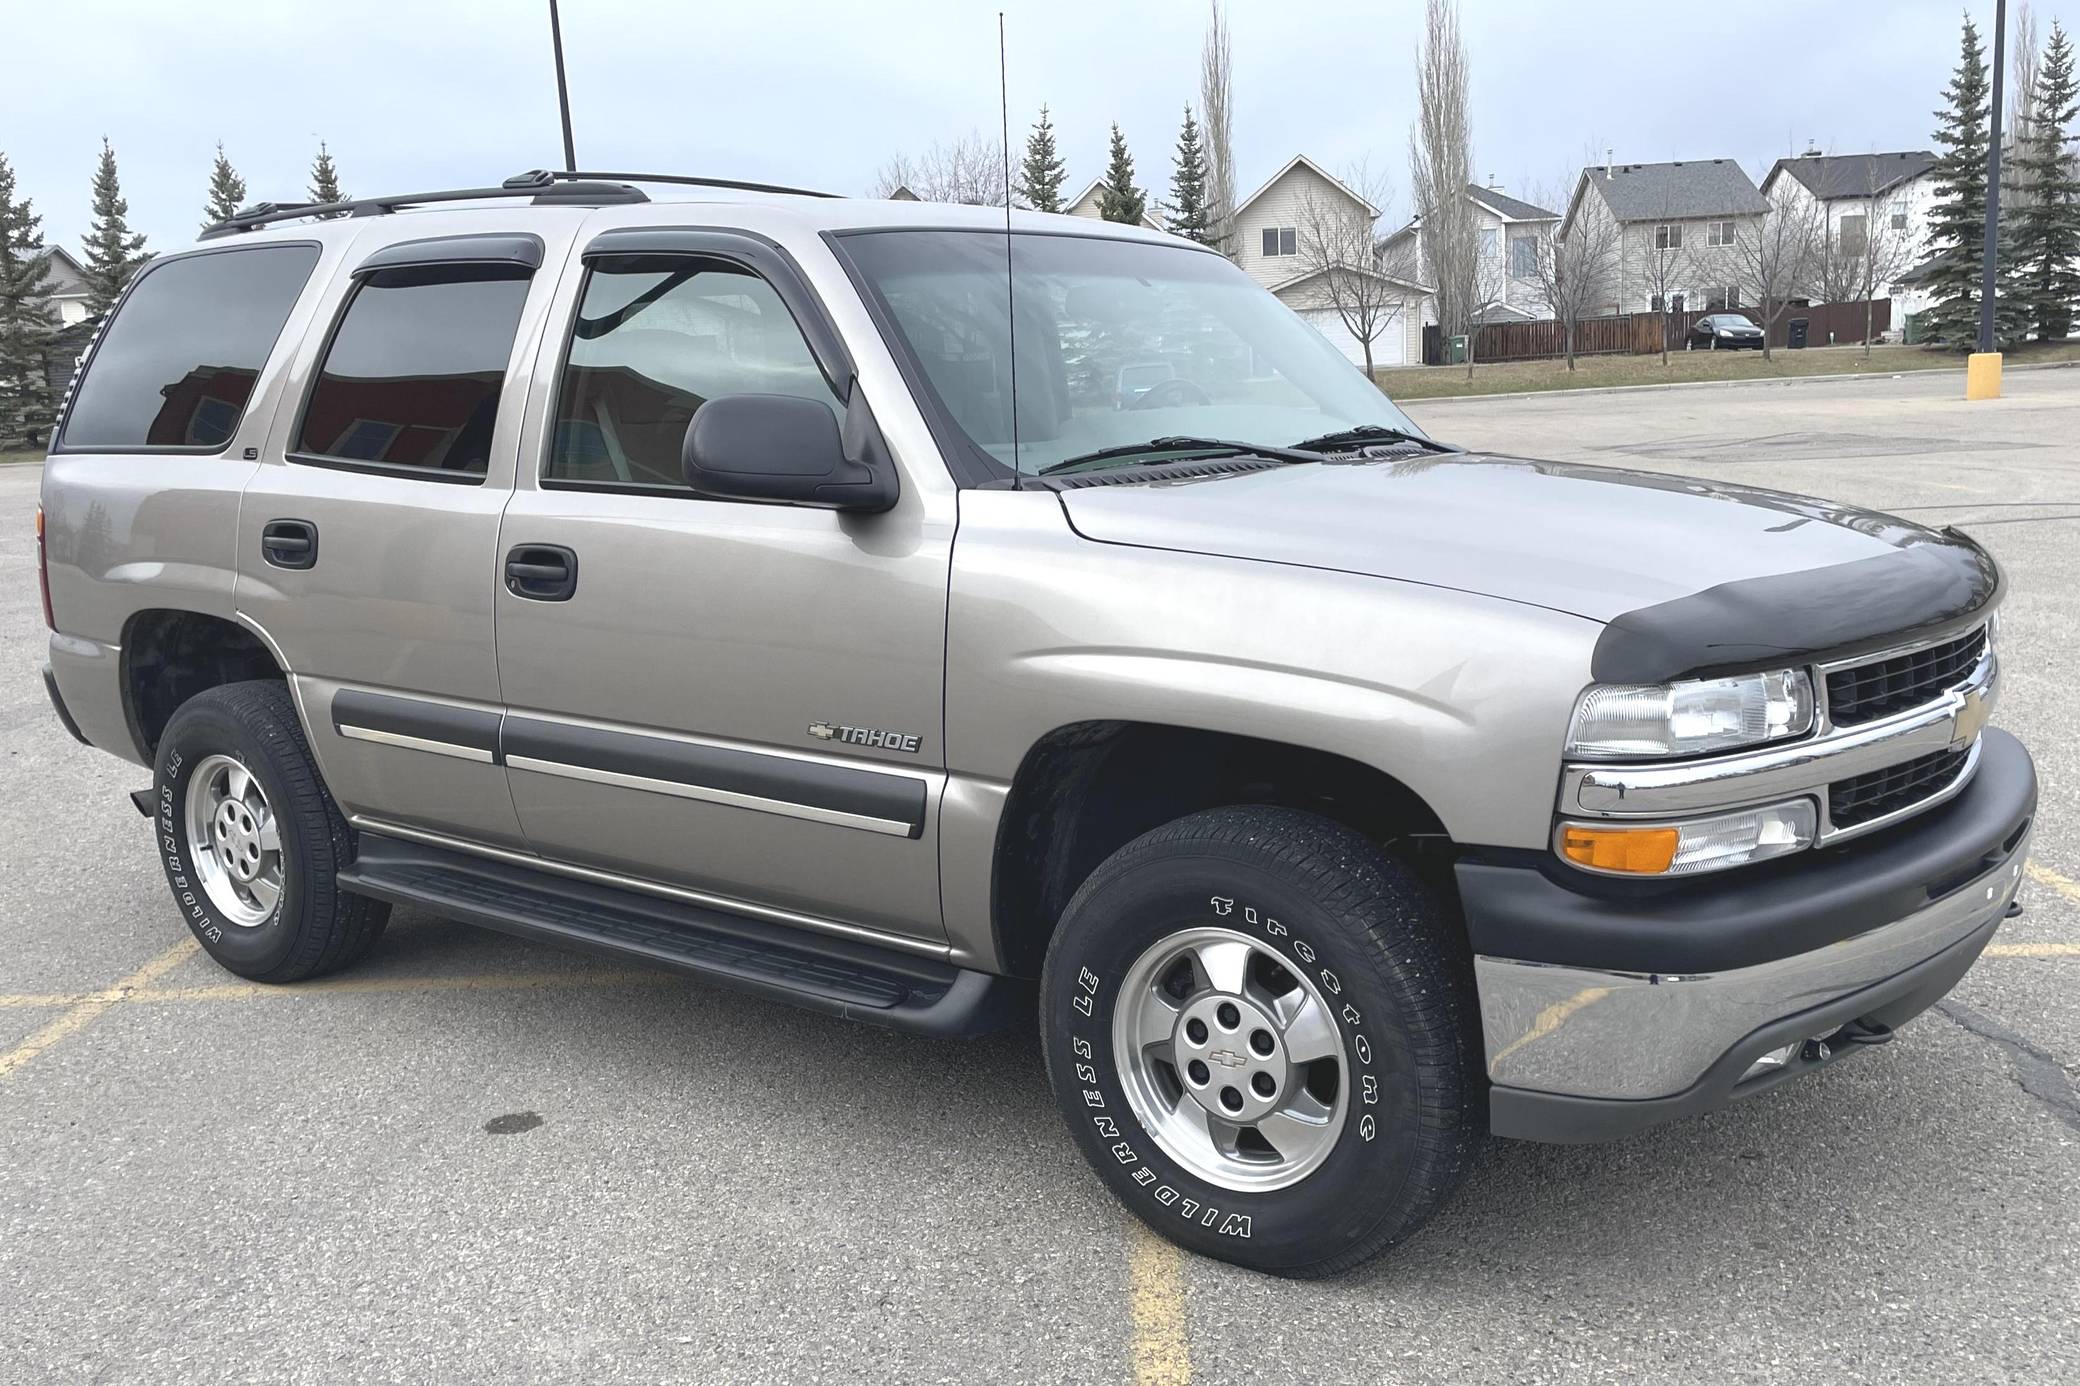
(251, 841)
(1318, 907)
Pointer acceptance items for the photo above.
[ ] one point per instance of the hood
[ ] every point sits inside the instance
(1592, 541)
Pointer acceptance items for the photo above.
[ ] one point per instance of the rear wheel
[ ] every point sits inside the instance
(1260, 1030)
(251, 841)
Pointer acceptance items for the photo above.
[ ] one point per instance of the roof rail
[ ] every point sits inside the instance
(547, 186)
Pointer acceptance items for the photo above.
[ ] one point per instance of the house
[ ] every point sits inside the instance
(1687, 214)
(1086, 205)
(1898, 189)
(67, 286)
(1510, 232)
(1269, 245)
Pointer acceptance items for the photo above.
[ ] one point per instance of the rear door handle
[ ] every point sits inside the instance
(542, 572)
(290, 543)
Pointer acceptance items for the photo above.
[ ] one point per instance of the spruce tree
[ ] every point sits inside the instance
(2047, 227)
(325, 177)
(112, 252)
(227, 191)
(1040, 175)
(1119, 199)
(1189, 216)
(26, 319)
(1957, 221)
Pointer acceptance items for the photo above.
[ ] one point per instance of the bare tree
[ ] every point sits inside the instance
(1576, 275)
(1440, 166)
(1667, 265)
(1340, 254)
(1885, 252)
(1216, 73)
(1774, 255)
(968, 169)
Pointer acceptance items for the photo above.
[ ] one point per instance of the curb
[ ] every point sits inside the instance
(1421, 401)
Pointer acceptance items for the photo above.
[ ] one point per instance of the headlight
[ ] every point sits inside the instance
(1684, 849)
(1724, 331)
(1620, 721)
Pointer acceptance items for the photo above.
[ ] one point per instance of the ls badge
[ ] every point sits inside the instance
(866, 736)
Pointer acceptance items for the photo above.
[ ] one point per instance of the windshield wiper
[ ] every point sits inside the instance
(1220, 447)
(1363, 435)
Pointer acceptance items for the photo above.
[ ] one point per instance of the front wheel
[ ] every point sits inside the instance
(1260, 1029)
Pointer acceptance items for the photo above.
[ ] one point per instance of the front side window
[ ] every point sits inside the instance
(177, 366)
(1668, 237)
(1281, 240)
(1117, 342)
(413, 374)
(655, 339)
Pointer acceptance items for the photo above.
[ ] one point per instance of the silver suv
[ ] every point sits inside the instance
(908, 615)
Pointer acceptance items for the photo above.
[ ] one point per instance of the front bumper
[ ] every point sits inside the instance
(1607, 1010)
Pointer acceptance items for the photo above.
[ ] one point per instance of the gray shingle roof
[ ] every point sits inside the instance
(1510, 206)
(1855, 175)
(1687, 188)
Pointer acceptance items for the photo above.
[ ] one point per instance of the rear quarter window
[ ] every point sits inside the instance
(176, 367)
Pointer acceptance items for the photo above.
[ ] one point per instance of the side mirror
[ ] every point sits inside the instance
(787, 450)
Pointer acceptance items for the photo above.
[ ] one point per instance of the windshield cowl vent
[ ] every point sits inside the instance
(1157, 471)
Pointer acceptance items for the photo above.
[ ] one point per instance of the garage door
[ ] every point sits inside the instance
(1387, 348)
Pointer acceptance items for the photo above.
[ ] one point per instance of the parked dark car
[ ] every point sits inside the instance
(1724, 332)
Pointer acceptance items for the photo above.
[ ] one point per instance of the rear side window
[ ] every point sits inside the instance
(413, 373)
(654, 340)
(175, 368)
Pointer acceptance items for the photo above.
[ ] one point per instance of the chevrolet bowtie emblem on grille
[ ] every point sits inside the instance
(1226, 1058)
(1971, 718)
(867, 736)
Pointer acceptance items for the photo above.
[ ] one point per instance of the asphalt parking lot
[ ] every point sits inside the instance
(472, 1158)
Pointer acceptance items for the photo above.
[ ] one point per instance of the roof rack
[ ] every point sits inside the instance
(546, 186)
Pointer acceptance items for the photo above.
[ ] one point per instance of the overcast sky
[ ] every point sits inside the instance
(421, 94)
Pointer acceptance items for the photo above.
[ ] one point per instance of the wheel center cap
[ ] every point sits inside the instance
(236, 838)
(1232, 1057)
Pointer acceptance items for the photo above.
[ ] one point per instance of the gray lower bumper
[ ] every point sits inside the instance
(1580, 1054)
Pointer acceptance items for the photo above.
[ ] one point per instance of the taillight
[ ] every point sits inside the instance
(43, 573)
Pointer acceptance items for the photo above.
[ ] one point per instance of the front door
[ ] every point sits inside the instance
(737, 701)
(368, 535)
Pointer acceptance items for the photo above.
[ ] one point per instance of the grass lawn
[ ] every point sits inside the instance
(1431, 382)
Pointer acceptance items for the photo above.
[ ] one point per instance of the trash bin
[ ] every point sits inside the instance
(1798, 333)
(1455, 354)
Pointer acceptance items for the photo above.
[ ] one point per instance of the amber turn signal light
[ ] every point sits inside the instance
(1644, 851)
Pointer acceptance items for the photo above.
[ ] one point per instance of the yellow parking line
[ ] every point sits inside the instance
(87, 1009)
(2033, 950)
(1159, 1353)
(2064, 885)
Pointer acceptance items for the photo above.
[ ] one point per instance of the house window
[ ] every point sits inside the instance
(1899, 221)
(1656, 304)
(1720, 300)
(1668, 236)
(1281, 240)
(1523, 257)
(1488, 243)
(1850, 235)
(1718, 233)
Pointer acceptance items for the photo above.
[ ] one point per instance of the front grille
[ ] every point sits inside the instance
(1864, 798)
(1867, 692)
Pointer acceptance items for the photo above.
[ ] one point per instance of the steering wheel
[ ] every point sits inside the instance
(1176, 390)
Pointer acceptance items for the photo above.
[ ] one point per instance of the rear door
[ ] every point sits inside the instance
(738, 700)
(368, 536)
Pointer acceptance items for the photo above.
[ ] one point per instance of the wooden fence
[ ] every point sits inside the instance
(1640, 334)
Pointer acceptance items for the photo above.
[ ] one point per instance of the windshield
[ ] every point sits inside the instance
(1118, 342)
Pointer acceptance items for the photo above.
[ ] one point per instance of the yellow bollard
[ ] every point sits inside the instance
(1982, 375)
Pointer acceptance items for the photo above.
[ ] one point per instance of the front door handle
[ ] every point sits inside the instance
(542, 572)
(290, 543)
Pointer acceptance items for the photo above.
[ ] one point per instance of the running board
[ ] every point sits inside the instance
(841, 977)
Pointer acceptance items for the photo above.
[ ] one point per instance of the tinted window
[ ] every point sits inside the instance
(412, 376)
(177, 365)
(654, 341)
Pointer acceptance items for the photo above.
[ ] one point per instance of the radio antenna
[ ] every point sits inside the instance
(1010, 296)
